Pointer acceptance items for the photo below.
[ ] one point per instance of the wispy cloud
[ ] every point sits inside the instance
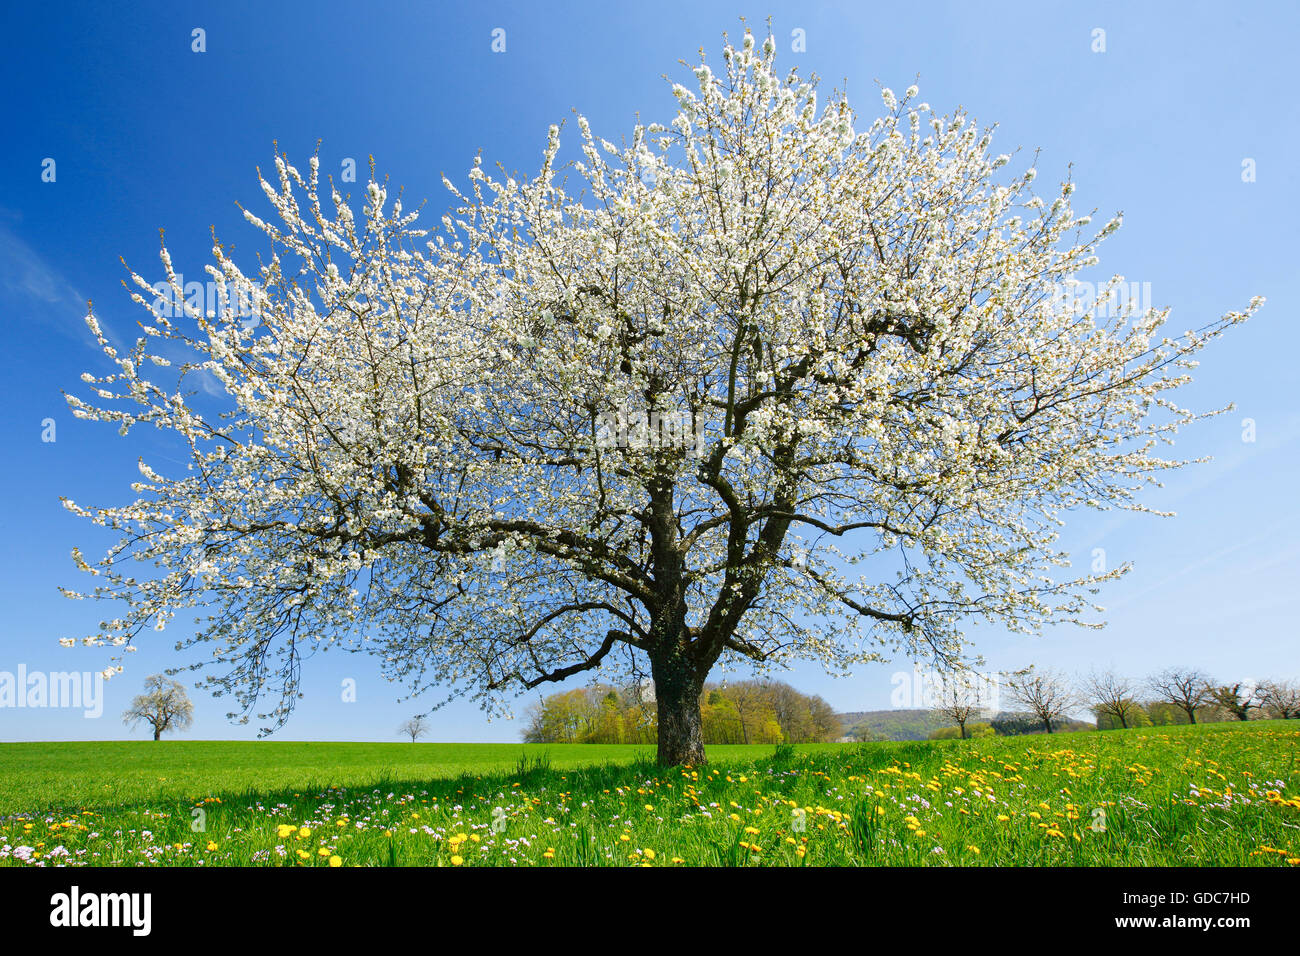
(30, 288)
(1281, 531)
(1202, 475)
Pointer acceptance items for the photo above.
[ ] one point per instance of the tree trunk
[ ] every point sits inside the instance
(1191, 714)
(157, 733)
(677, 699)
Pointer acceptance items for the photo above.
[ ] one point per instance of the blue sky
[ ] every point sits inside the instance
(145, 133)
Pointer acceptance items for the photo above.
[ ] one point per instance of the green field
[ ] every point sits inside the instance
(1222, 794)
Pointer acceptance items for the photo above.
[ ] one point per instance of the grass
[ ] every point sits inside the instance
(97, 774)
(1215, 795)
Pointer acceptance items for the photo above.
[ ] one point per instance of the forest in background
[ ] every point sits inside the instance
(741, 712)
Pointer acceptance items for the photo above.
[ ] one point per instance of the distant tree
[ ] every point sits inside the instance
(961, 698)
(826, 726)
(1135, 717)
(1279, 698)
(721, 722)
(640, 715)
(1184, 687)
(755, 710)
(551, 720)
(164, 706)
(793, 712)
(1112, 696)
(609, 727)
(414, 728)
(1237, 703)
(1046, 694)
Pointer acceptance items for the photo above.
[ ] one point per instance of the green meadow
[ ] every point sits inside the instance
(1214, 795)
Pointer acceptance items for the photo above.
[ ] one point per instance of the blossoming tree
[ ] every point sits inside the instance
(771, 386)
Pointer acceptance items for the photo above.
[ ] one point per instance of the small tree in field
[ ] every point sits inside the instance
(1185, 688)
(780, 382)
(1046, 694)
(1112, 696)
(1279, 698)
(164, 706)
(961, 698)
(415, 728)
(1235, 701)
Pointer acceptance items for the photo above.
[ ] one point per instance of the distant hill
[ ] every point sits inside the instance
(890, 724)
(919, 724)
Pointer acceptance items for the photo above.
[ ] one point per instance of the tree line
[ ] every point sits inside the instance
(741, 712)
(1175, 695)
(1186, 695)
